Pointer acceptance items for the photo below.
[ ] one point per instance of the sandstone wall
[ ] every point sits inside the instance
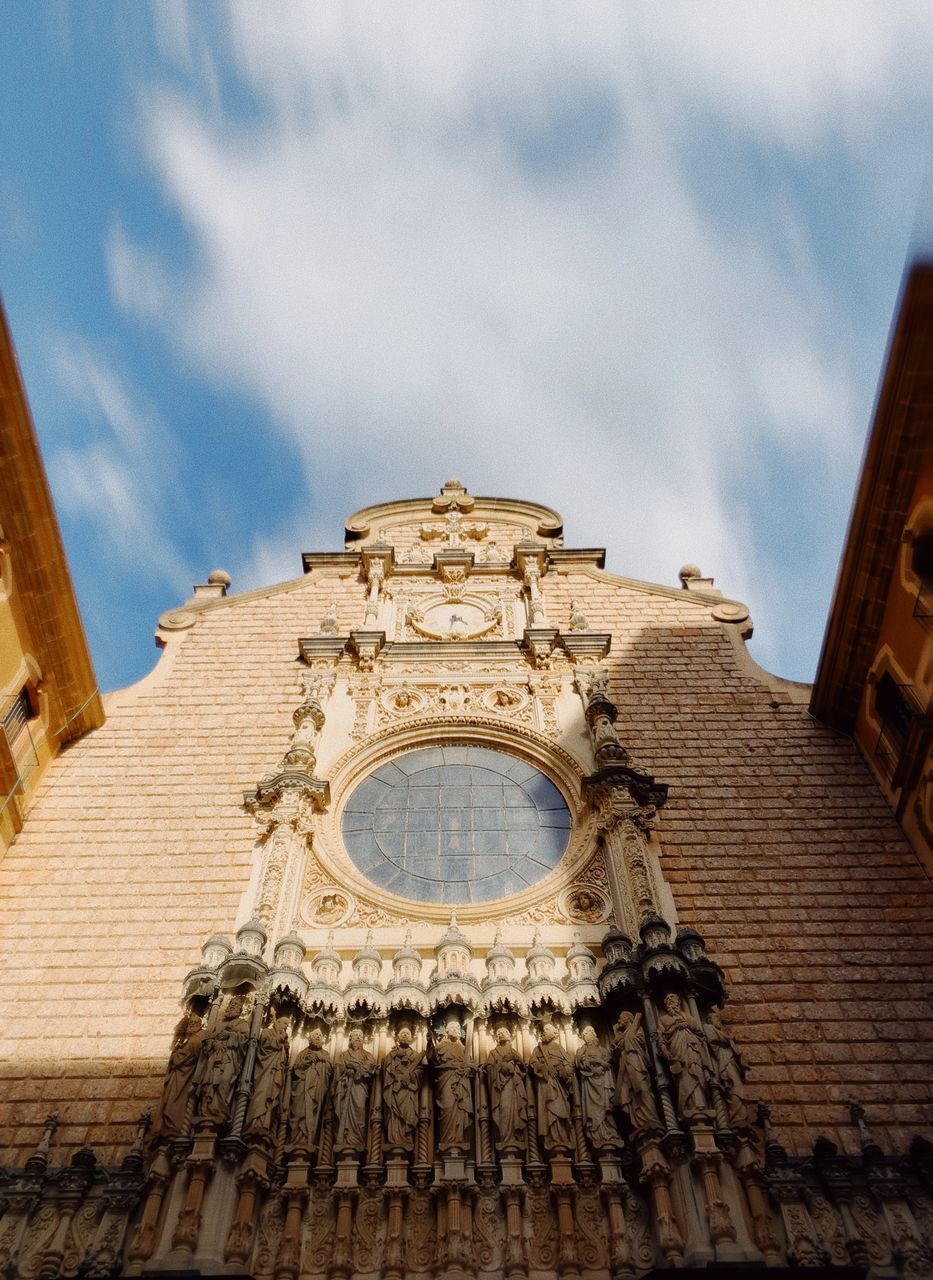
(777, 845)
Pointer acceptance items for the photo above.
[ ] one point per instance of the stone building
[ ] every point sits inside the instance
(460, 908)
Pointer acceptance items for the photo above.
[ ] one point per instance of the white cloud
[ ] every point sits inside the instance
(117, 481)
(138, 282)
(463, 240)
(93, 482)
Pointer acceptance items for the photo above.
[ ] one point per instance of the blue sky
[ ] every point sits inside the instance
(266, 263)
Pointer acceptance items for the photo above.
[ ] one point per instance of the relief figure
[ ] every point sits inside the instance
(401, 1083)
(681, 1042)
(596, 1093)
(182, 1063)
(508, 1089)
(553, 1072)
(731, 1072)
(634, 1094)
(353, 1076)
(310, 1082)
(452, 1075)
(265, 1105)
(219, 1065)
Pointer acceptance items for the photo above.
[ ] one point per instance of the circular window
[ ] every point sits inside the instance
(455, 825)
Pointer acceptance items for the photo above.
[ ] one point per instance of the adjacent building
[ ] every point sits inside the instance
(875, 678)
(48, 691)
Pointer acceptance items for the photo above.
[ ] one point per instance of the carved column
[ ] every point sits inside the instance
(288, 1263)
(283, 805)
(200, 1166)
(620, 1253)
(342, 1260)
(567, 1264)
(532, 580)
(144, 1237)
(394, 1268)
(751, 1173)
(72, 1187)
(708, 1160)
(515, 1265)
(625, 800)
(250, 1181)
(657, 1173)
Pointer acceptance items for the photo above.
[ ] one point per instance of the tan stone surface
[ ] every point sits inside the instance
(776, 844)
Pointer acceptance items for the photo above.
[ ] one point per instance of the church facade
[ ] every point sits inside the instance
(462, 909)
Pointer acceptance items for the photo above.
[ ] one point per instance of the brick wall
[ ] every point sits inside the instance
(777, 845)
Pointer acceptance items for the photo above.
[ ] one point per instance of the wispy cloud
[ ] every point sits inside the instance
(476, 239)
(119, 476)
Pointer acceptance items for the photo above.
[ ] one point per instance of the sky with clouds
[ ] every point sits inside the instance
(267, 263)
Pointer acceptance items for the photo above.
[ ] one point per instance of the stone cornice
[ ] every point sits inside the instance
(329, 560)
(546, 522)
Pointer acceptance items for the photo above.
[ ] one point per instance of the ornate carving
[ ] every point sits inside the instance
(584, 904)
(829, 1227)
(804, 1246)
(578, 620)
(269, 1235)
(488, 1232)
(368, 1230)
(327, 906)
(453, 613)
(542, 1230)
(41, 1232)
(870, 1224)
(80, 1235)
(363, 694)
(591, 1230)
(321, 1225)
(420, 1231)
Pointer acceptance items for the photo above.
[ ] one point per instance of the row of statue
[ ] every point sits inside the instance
(612, 1090)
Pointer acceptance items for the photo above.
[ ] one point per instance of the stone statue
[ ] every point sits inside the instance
(578, 620)
(310, 1082)
(553, 1072)
(401, 1084)
(265, 1105)
(508, 1088)
(182, 1062)
(453, 1092)
(680, 1040)
(730, 1070)
(596, 1093)
(634, 1094)
(215, 1077)
(353, 1076)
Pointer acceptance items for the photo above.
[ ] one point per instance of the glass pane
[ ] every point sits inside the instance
(456, 824)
